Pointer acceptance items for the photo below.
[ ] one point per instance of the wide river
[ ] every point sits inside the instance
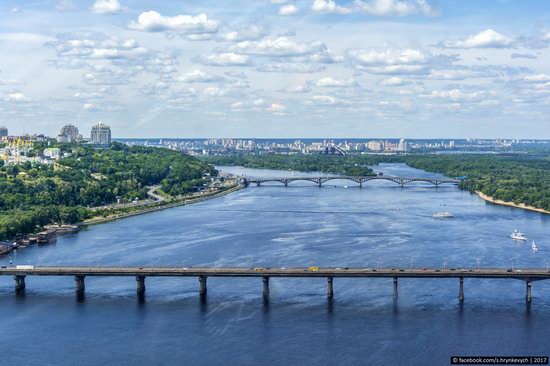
(273, 226)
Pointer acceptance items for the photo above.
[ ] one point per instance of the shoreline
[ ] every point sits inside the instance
(510, 204)
(183, 202)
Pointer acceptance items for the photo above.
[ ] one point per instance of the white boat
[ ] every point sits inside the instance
(516, 235)
(534, 246)
(443, 215)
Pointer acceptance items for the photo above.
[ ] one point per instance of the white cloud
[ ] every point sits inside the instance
(384, 8)
(328, 6)
(335, 82)
(107, 7)
(484, 39)
(455, 95)
(246, 32)
(537, 78)
(11, 82)
(393, 81)
(224, 59)
(393, 61)
(152, 21)
(276, 108)
(199, 76)
(17, 97)
(281, 46)
(322, 100)
(91, 45)
(90, 107)
(288, 10)
(291, 67)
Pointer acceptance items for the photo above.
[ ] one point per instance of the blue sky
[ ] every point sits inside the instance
(278, 68)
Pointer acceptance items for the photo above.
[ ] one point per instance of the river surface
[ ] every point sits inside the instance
(273, 226)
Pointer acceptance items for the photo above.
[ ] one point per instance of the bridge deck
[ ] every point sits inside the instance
(521, 274)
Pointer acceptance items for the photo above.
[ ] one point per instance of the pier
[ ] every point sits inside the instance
(265, 274)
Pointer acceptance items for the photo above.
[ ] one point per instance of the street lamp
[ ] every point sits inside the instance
(478, 260)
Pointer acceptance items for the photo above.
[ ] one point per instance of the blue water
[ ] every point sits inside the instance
(273, 226)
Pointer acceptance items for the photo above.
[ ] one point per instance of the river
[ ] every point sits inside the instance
(273, 226)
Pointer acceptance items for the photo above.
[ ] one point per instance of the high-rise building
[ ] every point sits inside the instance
(101, 134)
(3, 131)
(70, 132)
(403, 146)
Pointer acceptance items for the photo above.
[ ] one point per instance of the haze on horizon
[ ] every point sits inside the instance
(278, 68)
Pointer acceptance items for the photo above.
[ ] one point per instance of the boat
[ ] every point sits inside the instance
(443, 215)
(534, 246)
(516, 235)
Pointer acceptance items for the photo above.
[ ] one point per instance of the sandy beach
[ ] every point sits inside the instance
(511, 204)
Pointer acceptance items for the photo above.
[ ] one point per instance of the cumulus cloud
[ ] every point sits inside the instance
(328, 6)
(322, 100)
(16, 97)
(94, 45)
(395, 61)
(199, 76)
(281, 47)
(92, 107)
(288, 9)
(152, 21)
(393, 81)
(484, 39)
(537, 78)
(335, 82)
(245, 32)
(455, 95)
(276, 108)
(384, 8)
(291, 67)
(224, 59)
(107, 7)
(380, 8)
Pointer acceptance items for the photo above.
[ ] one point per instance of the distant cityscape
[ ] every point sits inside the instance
(228, 146)
(20, 149)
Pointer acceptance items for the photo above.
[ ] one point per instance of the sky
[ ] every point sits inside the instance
(277, 68)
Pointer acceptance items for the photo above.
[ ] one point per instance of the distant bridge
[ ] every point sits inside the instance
(19, 274)
(401, 181)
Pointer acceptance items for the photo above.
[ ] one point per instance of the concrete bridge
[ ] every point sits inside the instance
(79, 274)
(401, 181)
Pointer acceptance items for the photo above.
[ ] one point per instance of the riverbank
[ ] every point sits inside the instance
(511, 204)
(162, 206)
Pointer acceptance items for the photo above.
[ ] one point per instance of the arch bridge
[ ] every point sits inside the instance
(401, 181)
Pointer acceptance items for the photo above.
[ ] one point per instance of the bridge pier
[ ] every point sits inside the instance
(528, 292)
(461, 291)
(330, 288)
(361, 184)
(286, 183)
(80, 284)
(140, 282)
(395, 287)
(202, 287)
(19, 283)
(265, 280)
(258, 184)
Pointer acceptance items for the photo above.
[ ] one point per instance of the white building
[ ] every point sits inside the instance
(403, 145)
(101, 134)
(69, 133)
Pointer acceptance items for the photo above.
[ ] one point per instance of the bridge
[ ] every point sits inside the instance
(401, 181)
(19, 274)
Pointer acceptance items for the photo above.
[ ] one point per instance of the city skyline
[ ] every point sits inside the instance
(281, 69)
